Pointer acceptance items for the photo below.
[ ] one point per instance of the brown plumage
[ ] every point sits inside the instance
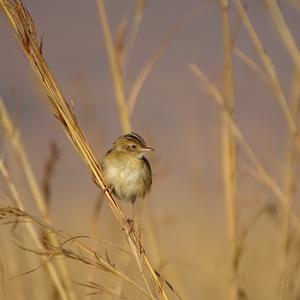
(125, 168)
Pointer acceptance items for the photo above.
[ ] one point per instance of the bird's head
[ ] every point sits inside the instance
(132, 143)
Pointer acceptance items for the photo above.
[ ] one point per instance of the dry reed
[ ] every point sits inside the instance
(72, 248)
(14, 136)
(229, 154)
(27, 37)
(75, 247)
(34, 235)
(115, 69)
(293, 146)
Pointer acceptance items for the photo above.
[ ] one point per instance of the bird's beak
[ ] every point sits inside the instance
(147, 149)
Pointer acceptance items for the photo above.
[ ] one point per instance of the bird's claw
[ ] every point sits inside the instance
(131, 225)
(108, 188)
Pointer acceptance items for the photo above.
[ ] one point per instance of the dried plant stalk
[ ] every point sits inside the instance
(134, 31)
(115, 69)
(229, 154)
(152, 61)
(118, 76)
(32, 232)
(284, 32)
(250, 63)
(95, 260)
(293, 146)
(269, 68)
(14, 136)
(261, 172)
(26, 35)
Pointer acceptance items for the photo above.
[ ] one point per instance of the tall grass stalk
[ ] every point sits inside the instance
(75, 246)
(116, 61)
(293, 146)
(259, 171)
(27, 37)
(34, 235)
(14, 136)
(115, 69)
(229, 153)
(269, 68)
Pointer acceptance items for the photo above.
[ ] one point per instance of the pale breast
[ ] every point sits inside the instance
(130, 178)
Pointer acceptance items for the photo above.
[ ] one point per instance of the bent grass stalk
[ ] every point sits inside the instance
(248, 61)
(32, 232)
(293, 146)
(261, 172)
(14, 136)
(152, 61)
(269, 68)
(97, 261)
(27, 38)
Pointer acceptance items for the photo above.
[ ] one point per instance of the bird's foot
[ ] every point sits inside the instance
(130, 222)
(108, 188)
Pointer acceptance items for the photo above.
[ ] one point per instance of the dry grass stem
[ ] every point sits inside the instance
(284, 32)
(260, 171)
(115, 69)
(293, 146)
(229, 154)
(134, 31)
(95, 230)
(251, 64)
(119, 42)
(49, 172)
(26, 35)
(151, 63)
(123, 54)
(14, 136)
(98, 289)
(32, 232)
(20, 216)
(225, 222)
(295, 4)
(290, 188)
(269, 67)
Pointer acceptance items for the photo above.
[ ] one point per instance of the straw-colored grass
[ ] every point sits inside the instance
(57, 251)
(26, 35)
(39, 198)
(229, 154)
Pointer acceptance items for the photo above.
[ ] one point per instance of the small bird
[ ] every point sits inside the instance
(126, 170)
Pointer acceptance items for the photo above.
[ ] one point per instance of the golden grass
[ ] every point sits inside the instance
(293, 149)
(35, 237)
(259, 172)
(57, 248)
(268, 65)
(40, 201)
(26, 35)
(115, 69)
(229, 154)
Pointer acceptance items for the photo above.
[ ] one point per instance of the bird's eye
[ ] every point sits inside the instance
(133, 146)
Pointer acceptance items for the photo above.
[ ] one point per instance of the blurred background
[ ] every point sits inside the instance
(184, 218)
